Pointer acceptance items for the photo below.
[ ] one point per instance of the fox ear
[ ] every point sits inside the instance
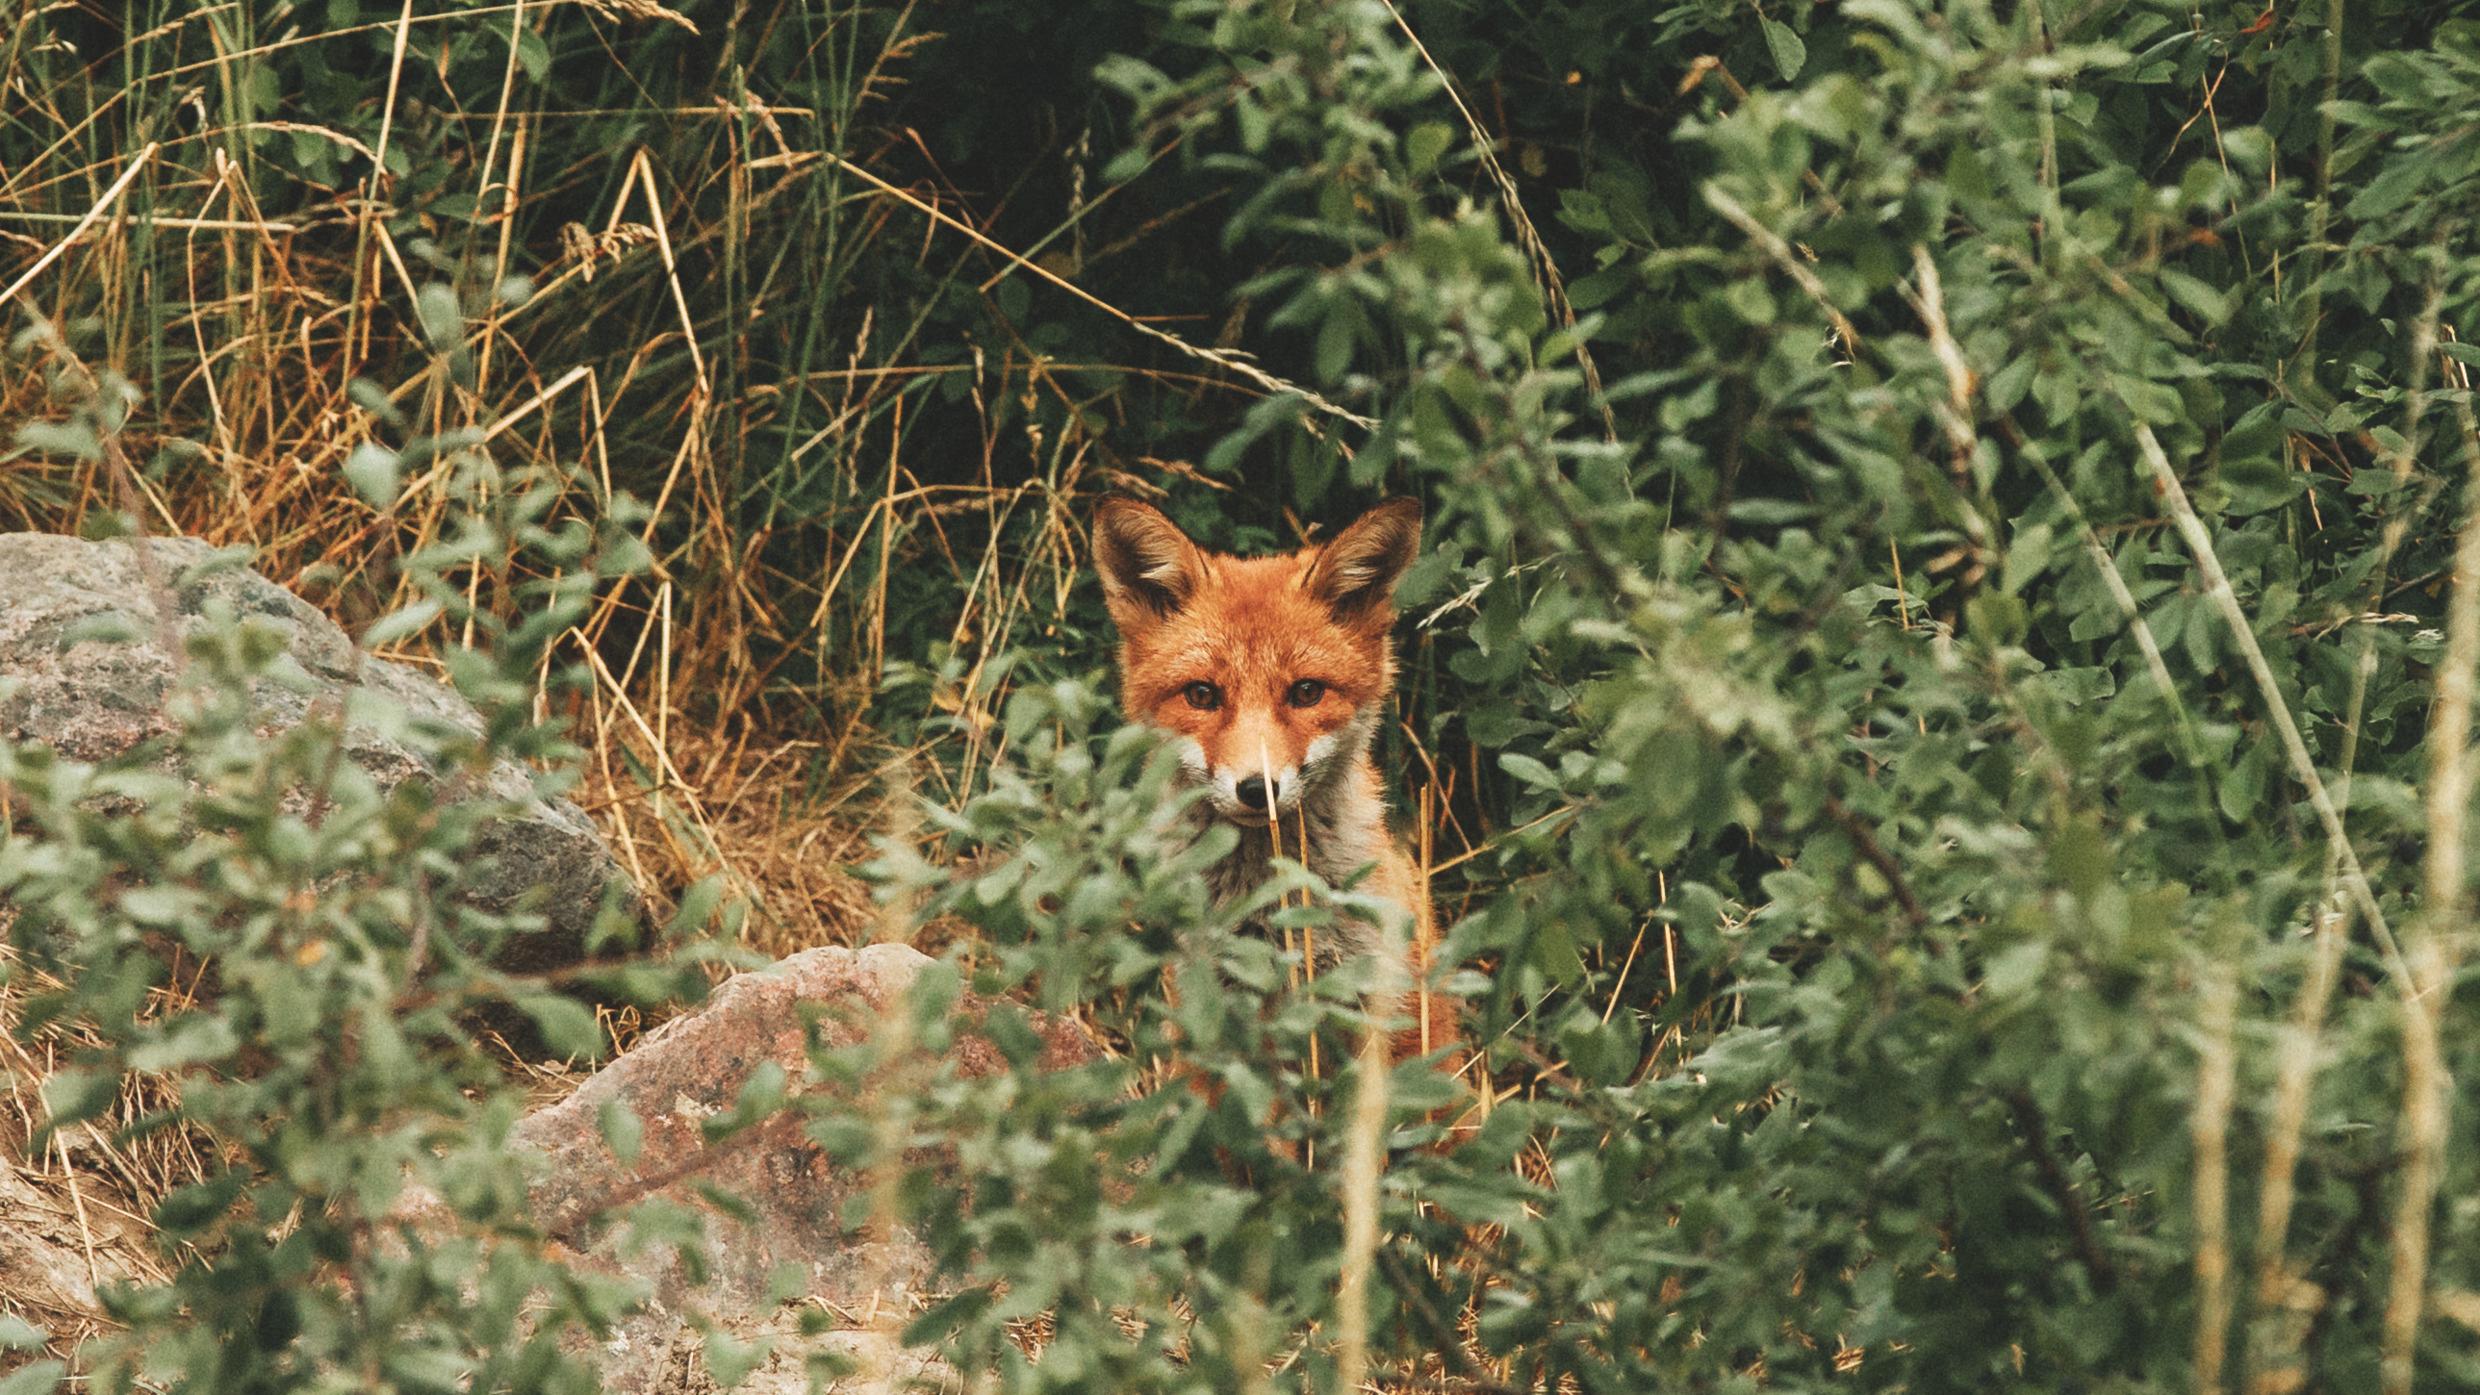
(1356, 573)
(1148, 565)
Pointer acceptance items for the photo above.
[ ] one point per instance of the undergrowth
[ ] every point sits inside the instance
(1936, 708)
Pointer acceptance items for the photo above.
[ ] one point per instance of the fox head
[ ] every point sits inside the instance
(1272, 672)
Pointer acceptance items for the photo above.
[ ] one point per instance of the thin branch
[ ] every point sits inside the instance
(1224, 361)
(2034, 1126)
(2295, 1074)
(2209, 1131)
(111, 195)
(2287, 1121)
(1874, 853)
(1770, 242)
(2320, 204)
(2428, 1084)
(2104, 563)
(2303, 766)
(1364, 1161)
(1553, 289)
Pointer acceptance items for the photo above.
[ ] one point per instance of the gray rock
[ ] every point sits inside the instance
(67, 684)
(795, 1196)
(874, 1363)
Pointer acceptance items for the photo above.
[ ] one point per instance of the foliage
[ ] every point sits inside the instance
(256, 920)
(1978, 875)
(1901, 912)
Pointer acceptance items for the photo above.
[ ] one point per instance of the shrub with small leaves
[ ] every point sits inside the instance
(291, 946)
(1954, 699)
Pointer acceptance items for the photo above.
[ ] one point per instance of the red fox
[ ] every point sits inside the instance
(1273, 674)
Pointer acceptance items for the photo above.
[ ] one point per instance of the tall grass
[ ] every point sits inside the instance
(713, 261)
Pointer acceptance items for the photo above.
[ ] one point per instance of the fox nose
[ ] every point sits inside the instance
(1251, 792)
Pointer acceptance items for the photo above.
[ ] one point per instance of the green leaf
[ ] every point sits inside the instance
(198, 1037)
(2255, 484)
(442, 318)
(623, 1132)
(2201, 300)
(1532, 772)
(73, 1096)
(399, 625)
(568, 1026)
(17, 1334)
(730, 1360)
(37, 1379)
(1790, 54)
(1132, 77)
(2027, 556)
(103, 627)
(372, 398)
(375, 472)
(73, 440)
(696, 912)
(1334, 345)
(2396, 184)
(533, 55)
(1425, 144)
(186, 1211)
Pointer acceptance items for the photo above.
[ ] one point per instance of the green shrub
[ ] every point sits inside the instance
(1920, 941)
(292, 949)
(1845, 657)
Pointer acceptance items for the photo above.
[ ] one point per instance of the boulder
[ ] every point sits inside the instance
(693, 1069)
(58, 1241)
(63, 684)
(873, 1363)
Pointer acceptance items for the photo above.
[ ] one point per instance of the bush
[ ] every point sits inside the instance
(1939, 699)
(1949, 647)
(288, 955)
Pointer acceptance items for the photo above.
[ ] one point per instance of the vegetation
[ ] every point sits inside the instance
(1938, 704)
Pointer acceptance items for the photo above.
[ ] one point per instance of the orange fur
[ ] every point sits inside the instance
(1277, 671)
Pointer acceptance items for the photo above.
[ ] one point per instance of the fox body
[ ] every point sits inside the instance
(1272, 675)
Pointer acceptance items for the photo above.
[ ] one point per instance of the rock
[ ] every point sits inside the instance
(874, 1362)
(93, 698)
(694, 1068)
(56, 1244)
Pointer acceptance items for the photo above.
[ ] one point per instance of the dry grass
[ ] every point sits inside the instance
(725, 721)
(703, 759)
(703, 755)
(74, 1203)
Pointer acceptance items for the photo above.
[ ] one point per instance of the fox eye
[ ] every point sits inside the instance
(1306, 693)
(1205, 697)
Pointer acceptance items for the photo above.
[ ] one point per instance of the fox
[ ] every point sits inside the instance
(1271, 676)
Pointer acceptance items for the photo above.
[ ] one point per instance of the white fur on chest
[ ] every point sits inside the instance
(1338, 830)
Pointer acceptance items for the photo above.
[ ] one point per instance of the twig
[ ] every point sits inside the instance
(2287, 1120)
(1443, 1335)
(2137, 626)
(2427, 1080)
(2034, 1126)
(163, 220)
(1771, 243)
(2303, 767)
(2209, 1129)
(1224, 361)
(1874, 853)
(2296, 1073)
(1362, 1161)
(77, 1200)
(110, 196)
(2321, 202)
(1365, 1157)
(1553, 289)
